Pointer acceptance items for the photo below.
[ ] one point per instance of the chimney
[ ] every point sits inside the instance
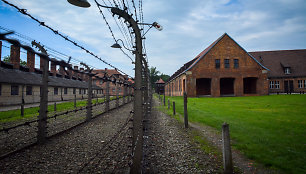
(42, 64)
(53, 67)
(70, 72)
(15, 56)
(82, 75)
(62, 71)
(75, 74)
(31, 61)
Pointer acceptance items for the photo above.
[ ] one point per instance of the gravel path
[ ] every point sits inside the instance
(25, 135)
(168, 148)
(99, 146)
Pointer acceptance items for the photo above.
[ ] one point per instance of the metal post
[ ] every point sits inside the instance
(89, 104)
(185, 111)
(43, 108)
(227, 153)
(54, 106)
(173, 108)
(164, 99)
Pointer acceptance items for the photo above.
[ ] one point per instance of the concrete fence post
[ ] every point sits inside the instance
(117, 97)
(22, 102)
(168, 104)
(43, 108)
(107, 97)
(185, 111)
(164, 99)
(173, 108)
(227, 153)
(89, 102)
(54, 106)
(75, 103)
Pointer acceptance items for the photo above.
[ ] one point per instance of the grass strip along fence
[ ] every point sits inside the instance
(268, 129)
(14, 115)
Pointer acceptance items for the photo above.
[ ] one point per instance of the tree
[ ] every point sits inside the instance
(8, 60)
(155, 76)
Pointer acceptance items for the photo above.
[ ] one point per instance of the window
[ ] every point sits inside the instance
(226, 63)
(304, 86)
(287, 70)
(119, 89)
(0, 89)
(74, 90)
(236, 63)
(271, 84)
(65, 90)
(29, 90)
(101, 82)
(276, 84)
(217, 63)
(84, 91)
(55, 91)
(300, 83)
(14, 90)
(80, 91)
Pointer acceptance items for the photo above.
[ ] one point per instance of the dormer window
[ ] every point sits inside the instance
(287, 70)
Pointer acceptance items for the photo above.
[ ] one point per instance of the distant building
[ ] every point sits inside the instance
(113, 74)
(160, 86)
(287, 70)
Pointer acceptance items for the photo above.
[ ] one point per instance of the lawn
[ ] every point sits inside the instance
(269, 129)
(13, 115)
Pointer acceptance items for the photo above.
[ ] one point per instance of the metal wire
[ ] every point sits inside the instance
(24, 11)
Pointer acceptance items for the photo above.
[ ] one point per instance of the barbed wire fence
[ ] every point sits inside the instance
(56, 122)
(135, 42)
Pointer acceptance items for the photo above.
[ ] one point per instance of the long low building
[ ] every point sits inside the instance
(22, 84)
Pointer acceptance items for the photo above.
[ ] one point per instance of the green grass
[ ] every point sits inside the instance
(14, 115)
(268, 129)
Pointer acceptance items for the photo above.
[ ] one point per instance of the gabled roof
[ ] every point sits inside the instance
(203, 53)
(276, 61)
(194, 61)
(160, 81)
(110, 72)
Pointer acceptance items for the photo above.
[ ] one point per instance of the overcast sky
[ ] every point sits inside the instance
(189, 27)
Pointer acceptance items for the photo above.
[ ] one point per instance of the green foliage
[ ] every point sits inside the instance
(8, 60)
(268, 129)
(155, 76)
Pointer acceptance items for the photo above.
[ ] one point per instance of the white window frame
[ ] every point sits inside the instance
(276, 84)
(287, 70)
(300, 83)
(271, 86)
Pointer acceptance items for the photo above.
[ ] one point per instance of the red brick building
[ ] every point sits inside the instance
(222, 69)
(111, 73)
(287, 70)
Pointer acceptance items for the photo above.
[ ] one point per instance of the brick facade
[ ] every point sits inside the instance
(203, 78)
